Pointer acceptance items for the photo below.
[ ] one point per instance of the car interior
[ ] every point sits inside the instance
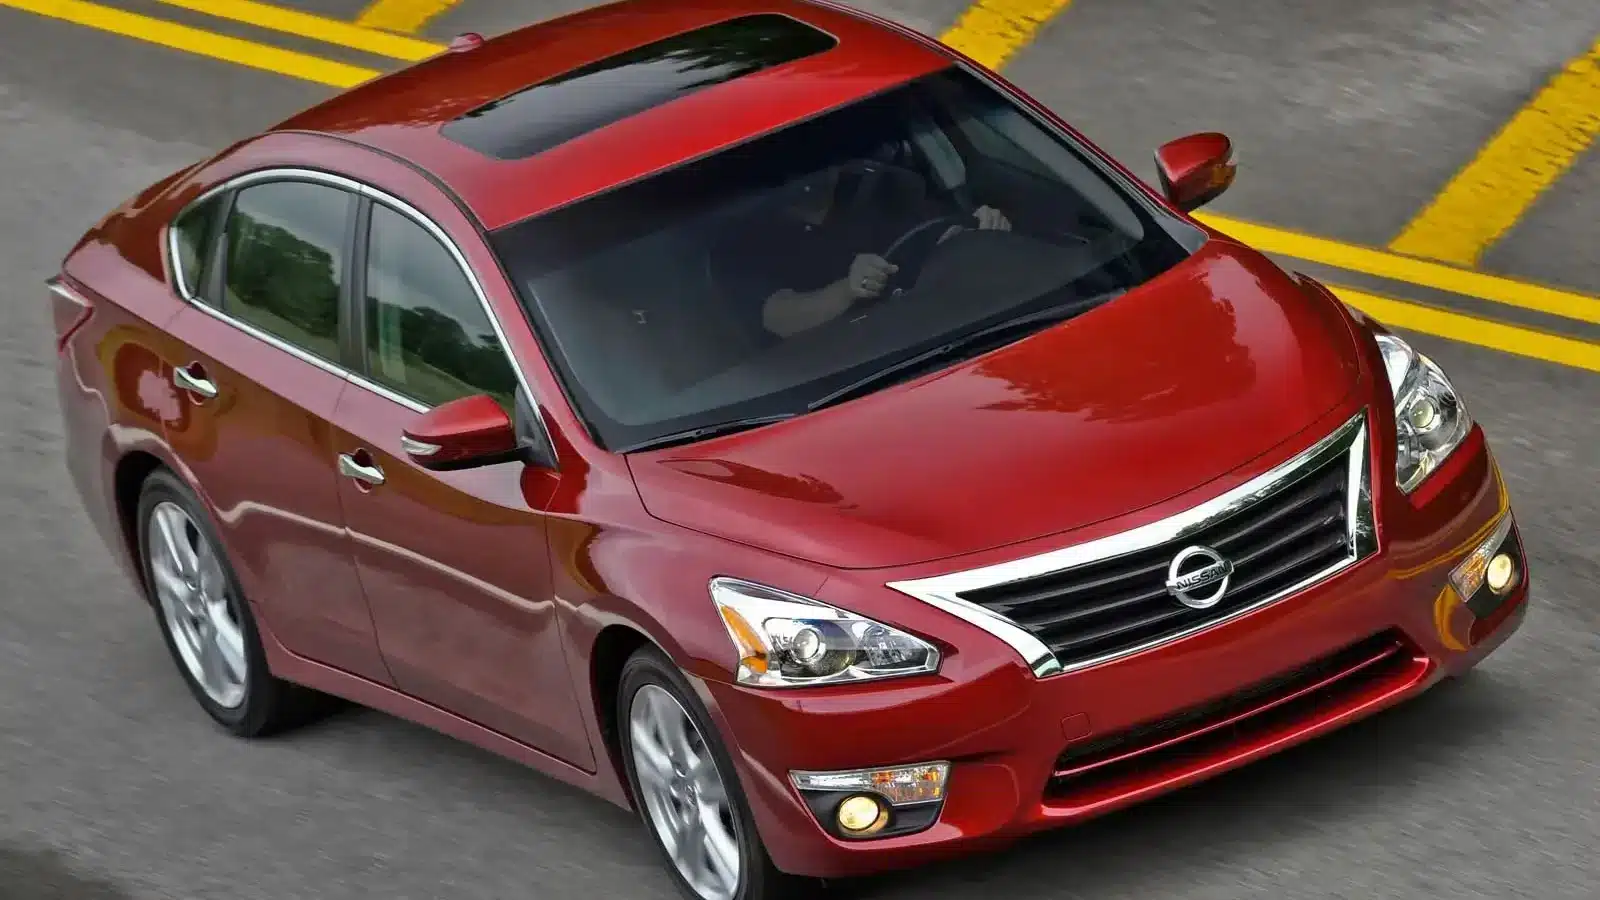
(643, 323)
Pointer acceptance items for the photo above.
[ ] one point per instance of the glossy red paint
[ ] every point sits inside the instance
(462, 431)
(1010, 748)
(1239, 352)
(1194, 170)
(496, 603)
(401, 113)
(459, 585)
(261, 453)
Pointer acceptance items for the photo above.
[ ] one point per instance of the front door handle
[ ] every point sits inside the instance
(351, 467)
(192, 378)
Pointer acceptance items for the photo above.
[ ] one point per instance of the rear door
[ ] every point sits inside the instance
(265, 266)
(455, 564)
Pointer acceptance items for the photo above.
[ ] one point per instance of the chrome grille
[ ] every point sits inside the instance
(1106, 608)
(1282, 531)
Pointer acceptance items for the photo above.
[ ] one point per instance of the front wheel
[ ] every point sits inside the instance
(686, 790)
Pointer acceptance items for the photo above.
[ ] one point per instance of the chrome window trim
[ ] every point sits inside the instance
(266, 337)
(943, 591)
(393, 396)
(55, 285)
(292, 173)
(180, 275)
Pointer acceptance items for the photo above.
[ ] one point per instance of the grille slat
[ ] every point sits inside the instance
(1331, 549)
(1111, 606)
(1104, 635)
(1320, 526)
(1045, 593)
(1285, 505)
(1058, 617)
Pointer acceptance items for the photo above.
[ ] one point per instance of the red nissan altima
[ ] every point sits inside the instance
(766, 419)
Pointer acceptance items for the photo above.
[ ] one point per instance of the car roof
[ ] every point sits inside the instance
(541, 156)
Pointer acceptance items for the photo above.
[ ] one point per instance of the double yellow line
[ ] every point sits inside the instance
(241, 52)
(403, 15)
(1477, 208)
(1529, 155)
(992, 31)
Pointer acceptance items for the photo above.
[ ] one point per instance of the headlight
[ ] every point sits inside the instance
(1430, 419)
(785, 640)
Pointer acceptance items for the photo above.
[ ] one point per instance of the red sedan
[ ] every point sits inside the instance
(773, 422)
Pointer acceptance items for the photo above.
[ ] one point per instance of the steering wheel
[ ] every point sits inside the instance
(906, 270)
(913, 231)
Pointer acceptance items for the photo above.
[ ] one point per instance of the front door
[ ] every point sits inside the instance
(258, 385)
(455, 564)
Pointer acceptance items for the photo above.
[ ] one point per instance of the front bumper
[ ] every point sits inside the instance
(1029, 753)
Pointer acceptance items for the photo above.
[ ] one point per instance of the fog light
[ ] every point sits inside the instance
(861, 815)
(875, 803)
(1471, 573)
(1502, 572)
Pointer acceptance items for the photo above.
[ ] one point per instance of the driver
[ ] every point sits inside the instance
(810, 263)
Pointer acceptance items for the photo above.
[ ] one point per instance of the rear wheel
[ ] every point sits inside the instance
(204, 618)
(686, 789)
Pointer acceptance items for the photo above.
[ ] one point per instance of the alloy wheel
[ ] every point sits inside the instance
(196, 604)
(685, 799)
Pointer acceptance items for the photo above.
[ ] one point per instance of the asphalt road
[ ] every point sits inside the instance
(1348, 116)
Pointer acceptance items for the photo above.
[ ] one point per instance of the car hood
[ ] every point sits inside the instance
(1176, 383)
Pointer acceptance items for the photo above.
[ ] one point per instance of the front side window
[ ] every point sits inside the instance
(769, 277)
(286, 262)
(428, 337)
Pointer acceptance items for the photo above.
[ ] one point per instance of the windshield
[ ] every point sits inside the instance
(750, 284)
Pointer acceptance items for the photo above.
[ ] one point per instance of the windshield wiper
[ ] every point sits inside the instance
(965, 346)
(707, 431)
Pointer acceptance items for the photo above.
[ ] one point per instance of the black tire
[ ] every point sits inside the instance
(269, 705)
(759, 878)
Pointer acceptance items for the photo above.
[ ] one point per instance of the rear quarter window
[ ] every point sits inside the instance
(191, 242)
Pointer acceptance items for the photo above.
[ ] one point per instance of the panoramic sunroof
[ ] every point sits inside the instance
(593, 96)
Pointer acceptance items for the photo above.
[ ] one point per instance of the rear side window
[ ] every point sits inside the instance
(609, 90)
(428, 337)
(286, 262)
(190, 239)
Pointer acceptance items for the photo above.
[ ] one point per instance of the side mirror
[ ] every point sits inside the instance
(1196, 169)
(463, 434)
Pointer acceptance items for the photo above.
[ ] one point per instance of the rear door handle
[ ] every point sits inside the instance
(351, 467)
(192, 378)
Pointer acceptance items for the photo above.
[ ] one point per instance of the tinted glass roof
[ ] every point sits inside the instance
(593, 96)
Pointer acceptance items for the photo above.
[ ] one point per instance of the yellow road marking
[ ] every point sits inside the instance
(402, 15)
(1368, 261)
(197, 41)
(1529, 154)
(317, 28)
(1400, 314)
(1467, 329)
(991, 31)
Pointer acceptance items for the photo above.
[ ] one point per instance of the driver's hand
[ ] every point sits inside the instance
(868, 275)
(989, 219)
